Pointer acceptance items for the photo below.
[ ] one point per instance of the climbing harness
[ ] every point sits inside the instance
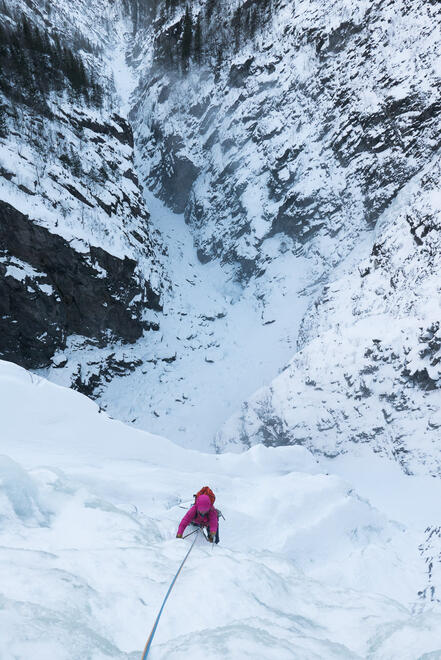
(152, 634)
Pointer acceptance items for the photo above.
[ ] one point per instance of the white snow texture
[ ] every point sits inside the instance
(306, 568)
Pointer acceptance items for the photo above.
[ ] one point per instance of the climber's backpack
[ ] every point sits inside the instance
(206, 491)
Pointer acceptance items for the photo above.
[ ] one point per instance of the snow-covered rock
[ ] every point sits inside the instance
(368, 366)
(303, 119)
(302, 148)
(77, 252)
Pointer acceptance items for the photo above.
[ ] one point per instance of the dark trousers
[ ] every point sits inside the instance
(216, 540)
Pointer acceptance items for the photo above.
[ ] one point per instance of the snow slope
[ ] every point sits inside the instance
(306, 567)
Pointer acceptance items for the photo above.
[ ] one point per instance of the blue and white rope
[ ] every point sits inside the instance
(152, 634)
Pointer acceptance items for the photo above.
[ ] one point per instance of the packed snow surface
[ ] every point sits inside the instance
(307, 567)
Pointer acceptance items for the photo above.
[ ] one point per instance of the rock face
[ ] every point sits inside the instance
(77, 257)
(309, 127)
(173, 169)
(369, 365)
(48, 291)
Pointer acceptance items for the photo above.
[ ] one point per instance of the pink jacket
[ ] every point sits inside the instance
(193, 516)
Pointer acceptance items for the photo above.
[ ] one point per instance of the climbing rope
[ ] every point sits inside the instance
(195, 531)
(152, 634)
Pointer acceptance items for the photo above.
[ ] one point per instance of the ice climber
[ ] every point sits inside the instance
(202, 514)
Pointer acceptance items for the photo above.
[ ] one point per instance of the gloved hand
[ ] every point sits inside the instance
(211, 537)
(178, 536)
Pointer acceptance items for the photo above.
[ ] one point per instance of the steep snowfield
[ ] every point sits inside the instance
(306, 568)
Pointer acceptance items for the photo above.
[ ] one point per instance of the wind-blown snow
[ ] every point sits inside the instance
(306, 568)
